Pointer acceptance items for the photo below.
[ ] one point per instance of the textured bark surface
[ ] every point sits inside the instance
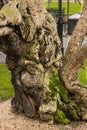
(29, 38)
(75, 55)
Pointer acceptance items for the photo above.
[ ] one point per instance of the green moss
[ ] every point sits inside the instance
(64, 105)
(30, 49)
(56, 87)
(29, 57)
(31, 45)
(73, 111)
(60, 117)
(82, 74)
(11, 13)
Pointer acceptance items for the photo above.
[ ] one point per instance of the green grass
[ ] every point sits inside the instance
(6, 88)
(74, 7)
(82, 74)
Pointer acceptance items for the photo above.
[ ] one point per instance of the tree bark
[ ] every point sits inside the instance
(75, 56)
(29, 39)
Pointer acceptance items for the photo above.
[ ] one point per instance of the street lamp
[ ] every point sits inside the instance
(60, 23)
(68, 9)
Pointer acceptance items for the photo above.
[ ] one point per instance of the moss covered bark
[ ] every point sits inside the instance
(32, 48)
(34, 57)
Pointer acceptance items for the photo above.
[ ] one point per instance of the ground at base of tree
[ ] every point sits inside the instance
(11, 121)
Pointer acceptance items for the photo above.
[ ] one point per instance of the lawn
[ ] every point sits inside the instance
(6, 89)
(74, 7)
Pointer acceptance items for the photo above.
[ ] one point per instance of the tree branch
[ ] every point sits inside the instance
(78, 35)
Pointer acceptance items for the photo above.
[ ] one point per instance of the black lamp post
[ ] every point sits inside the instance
(68, 1)
(60, 23)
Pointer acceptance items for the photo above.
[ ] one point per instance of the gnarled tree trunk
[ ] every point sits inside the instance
(29, 38)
